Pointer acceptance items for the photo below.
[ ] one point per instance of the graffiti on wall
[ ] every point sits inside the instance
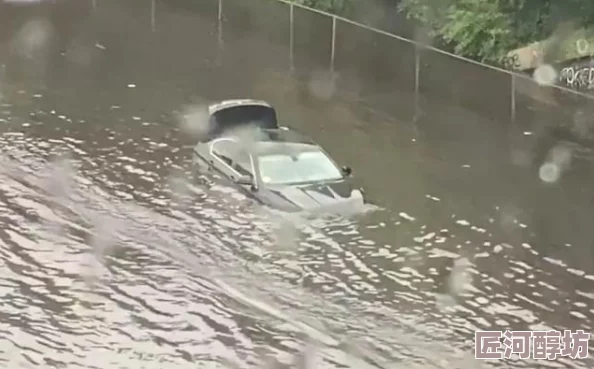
(580, 75)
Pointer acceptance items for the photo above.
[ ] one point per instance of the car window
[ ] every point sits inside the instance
(305, 166)
(233, 155)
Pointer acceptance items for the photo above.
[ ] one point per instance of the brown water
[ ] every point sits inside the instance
(112, 257)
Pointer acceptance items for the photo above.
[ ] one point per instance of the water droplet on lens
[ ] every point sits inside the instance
(549, 172)
(545, 75)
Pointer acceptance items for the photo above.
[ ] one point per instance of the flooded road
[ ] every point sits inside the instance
(112, 256)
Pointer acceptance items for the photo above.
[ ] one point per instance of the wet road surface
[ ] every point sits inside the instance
(113, 256)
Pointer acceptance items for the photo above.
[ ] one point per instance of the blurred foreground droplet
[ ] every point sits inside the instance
(80, 54)
(423, 36)
(308, 358)
(179, 187)
(31, 40)
(549, 172)
(61, 172)
(520, 157)
(559, 159)
(460, 278)
(322, 85)
(545, 75)
(103, 235)
(193, 120)
(561, 155)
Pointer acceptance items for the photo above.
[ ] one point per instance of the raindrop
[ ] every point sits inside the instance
(406, 217)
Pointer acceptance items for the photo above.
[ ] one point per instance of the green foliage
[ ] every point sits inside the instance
(486, 30)
(339, 7)
(483, 30)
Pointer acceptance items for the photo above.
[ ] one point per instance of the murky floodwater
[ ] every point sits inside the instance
(112, 256)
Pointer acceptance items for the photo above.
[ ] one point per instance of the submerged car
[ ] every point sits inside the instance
(277, 166)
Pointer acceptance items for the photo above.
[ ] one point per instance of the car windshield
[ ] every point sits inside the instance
(300, 167)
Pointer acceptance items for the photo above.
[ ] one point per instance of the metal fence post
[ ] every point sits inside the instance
(333, 49)
(291, 38)
(153, 15)
(417, 96)
(513, 98)
(219, 53)
(220, 24)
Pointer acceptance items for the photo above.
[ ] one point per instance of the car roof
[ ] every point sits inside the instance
(231, 103)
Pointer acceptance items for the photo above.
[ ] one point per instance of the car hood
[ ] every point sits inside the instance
(318, 195)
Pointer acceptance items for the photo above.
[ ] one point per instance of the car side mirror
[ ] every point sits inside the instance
(244, 180)
(347, 171)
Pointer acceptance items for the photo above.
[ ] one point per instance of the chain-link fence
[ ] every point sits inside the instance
(388, 73)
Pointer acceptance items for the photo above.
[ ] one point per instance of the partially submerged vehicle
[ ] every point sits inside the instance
(277, 166)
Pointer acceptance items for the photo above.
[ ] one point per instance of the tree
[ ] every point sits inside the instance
(486, 30)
